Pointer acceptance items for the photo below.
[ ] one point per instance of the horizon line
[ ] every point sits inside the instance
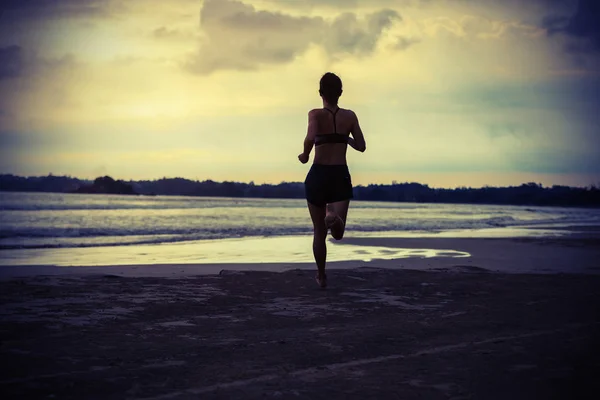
(394, 182)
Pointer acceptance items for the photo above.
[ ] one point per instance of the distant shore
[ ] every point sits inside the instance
(527, 194)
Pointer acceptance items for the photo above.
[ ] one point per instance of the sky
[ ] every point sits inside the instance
(448, 92)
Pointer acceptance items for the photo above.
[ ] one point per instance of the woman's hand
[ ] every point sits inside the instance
(352, 143)
(303, 157)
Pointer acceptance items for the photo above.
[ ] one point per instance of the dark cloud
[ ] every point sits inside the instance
(238, 36)
(236, 15)
(347, 33)
(584, 24)
(555, 23)
(347, 4)
(11, 140)
(165, 33)
(12, 62)
(403, 43)
(53, 8)
(338, 4)
(499, 130)
(16, 62)
(563, 160)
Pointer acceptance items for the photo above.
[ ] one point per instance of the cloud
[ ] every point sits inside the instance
(403, 43)
(497, 130)
(55, 9)
(163, 32)
(60, 9)
(479, 27)
(166, 33)
(239, 36)
(30, 83)
(15, 62)
(11, 62)
(348, 34)
(346, 4)
(336, 4)
(584, 24)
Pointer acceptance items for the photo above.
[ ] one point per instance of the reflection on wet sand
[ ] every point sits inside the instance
(288, 249)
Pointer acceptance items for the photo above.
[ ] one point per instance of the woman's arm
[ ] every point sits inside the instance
(309, 140)
(357, 141)
(352, 143)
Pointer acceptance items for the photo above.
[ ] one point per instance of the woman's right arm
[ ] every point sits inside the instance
(311, 133)
(357, 141)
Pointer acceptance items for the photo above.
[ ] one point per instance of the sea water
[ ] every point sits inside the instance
(34, 225)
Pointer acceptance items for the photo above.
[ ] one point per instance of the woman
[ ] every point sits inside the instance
(328, 184)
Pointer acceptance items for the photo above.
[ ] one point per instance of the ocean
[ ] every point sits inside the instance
(43, 220)
(34, 224)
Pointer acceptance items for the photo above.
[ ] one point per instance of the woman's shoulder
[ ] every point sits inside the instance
(319, 111)
(348, 112)
(314, 112)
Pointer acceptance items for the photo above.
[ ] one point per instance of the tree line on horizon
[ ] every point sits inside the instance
(525, 194)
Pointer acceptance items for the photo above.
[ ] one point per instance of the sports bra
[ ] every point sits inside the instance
(334, 137)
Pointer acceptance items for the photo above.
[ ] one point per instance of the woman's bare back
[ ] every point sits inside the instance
(331, 122)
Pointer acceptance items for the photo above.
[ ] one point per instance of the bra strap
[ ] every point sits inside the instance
(333, 113)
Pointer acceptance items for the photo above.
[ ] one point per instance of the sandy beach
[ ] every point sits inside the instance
(517, 319)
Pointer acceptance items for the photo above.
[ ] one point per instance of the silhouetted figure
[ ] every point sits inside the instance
(328, 185)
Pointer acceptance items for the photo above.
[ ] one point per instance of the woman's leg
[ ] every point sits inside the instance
(317, 214)
(337, 226)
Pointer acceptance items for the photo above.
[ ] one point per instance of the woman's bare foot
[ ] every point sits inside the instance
(336, 224)
(321, 279)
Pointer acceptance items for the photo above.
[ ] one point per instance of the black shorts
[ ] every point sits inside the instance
(327, 184)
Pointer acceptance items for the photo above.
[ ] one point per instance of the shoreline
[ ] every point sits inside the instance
(573, 253)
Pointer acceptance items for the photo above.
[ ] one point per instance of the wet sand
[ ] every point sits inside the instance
(518, 319)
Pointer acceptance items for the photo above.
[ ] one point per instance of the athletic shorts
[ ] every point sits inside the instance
(327, 184)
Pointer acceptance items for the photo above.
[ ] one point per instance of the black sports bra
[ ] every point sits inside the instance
(334, 137)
